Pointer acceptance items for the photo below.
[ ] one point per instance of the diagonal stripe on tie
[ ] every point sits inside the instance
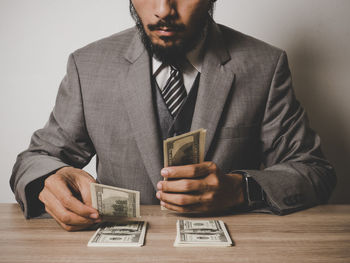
(173, 80)
(174, 92)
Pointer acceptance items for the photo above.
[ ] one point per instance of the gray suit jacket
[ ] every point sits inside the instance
(245, 101)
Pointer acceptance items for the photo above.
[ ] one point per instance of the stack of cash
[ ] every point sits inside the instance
(201, 233)
(187, 148)
(113, 202)
(116, 204)
(127, 234)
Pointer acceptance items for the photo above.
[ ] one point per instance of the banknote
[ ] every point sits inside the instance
(184, 149)
(122, 234)
(114, 202)
(187, 148)
(195, 233)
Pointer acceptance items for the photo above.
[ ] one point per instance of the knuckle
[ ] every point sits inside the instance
(65, 218)
(187, 186)
(216, 181)
(213, 167)
(51, 181)
(41, 198)
(47, 182)
(181, 200)
(213, 182)
(181, 209)
(194, 170)
(88, 177)
(66, 200)
(210, 196)
(64, 170)
(207, 198)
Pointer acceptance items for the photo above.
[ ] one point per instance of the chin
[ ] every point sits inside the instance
(166, 42)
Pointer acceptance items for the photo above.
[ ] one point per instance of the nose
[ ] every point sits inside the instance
(164, 8)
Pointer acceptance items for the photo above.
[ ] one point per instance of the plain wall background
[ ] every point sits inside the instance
(38, 35)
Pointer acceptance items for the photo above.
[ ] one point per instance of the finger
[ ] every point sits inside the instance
(61, 191)
(182, 209)
(189, 171)
(84, 187)
(181, 186)
(82, 181)
(65, 226)
(179, 199)
(86, 196)
(60, 213)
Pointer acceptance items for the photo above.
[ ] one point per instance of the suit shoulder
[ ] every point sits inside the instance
(116, 44)
(245, 45)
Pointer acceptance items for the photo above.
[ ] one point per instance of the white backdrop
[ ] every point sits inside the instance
(38, 35)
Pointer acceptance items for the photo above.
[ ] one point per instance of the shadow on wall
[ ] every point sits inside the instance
(316, 83)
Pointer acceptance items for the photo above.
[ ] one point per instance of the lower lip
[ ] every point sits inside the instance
(166, 33)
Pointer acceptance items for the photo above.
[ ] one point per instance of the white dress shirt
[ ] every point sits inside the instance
(189, 70)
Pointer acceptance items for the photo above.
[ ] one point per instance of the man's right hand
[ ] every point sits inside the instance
(67, 198)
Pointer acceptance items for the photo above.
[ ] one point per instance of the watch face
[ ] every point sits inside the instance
(255, 193)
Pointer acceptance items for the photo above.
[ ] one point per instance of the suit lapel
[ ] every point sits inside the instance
(140, 107)
(214, 87)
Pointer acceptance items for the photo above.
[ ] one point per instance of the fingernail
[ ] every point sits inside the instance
(159, 185)
(164, 172)
(94, 216)
(158, 195)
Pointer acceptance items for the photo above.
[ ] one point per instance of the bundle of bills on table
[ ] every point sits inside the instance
(123, 234)
(201, 233)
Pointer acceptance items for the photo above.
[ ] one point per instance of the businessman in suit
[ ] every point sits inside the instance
(176, 71)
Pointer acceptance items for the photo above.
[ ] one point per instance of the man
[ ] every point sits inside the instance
(176, 71)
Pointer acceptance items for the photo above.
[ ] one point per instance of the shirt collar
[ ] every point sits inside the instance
(195, 56)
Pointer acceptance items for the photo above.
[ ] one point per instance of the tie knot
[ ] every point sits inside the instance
(174, 68)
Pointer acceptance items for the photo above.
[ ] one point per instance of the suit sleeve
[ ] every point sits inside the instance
(63, 141)
(297, 175)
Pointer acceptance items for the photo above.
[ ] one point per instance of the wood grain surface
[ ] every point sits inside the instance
(319, 234)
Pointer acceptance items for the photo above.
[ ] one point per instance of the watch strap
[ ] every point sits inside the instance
(254, 196)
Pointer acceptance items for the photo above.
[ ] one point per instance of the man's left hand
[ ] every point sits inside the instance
(199, 188)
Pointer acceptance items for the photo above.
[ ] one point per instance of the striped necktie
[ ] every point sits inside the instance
(174, 92)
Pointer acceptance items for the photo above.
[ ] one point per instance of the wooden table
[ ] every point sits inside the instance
(319, 234)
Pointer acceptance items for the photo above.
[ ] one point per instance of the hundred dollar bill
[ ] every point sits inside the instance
(123, 234)
(114, 202)
(195, 233)
(184, 149)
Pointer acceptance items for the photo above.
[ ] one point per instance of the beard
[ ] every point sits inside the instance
(173, 54)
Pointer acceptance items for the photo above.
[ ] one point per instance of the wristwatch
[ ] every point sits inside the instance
(254, 195)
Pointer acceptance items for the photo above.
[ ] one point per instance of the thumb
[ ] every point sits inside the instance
(85, 189)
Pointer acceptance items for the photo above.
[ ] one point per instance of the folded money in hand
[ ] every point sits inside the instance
(114, 202)
(187, 148)
(201, 233)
